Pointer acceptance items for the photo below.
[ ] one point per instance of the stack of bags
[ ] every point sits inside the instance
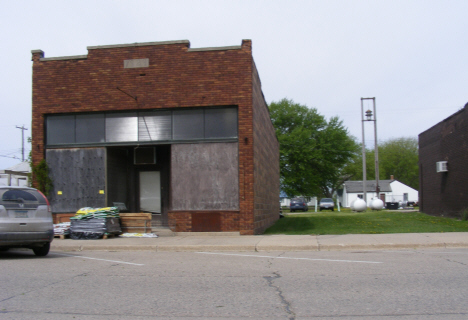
(93, 223)
(100, 213)
(62, 228)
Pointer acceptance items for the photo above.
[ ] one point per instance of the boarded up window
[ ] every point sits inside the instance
(78, 177)
(205, 176)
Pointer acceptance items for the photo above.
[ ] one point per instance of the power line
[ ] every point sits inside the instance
(14, 157)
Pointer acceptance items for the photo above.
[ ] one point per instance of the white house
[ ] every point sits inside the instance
(390, 191)
(16, 175)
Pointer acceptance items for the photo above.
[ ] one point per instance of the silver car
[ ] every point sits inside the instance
(327, 204)
(25, 220)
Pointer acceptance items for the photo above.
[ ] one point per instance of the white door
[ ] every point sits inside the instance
(150, 191)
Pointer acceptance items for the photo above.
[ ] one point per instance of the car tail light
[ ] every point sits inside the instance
(47, 200)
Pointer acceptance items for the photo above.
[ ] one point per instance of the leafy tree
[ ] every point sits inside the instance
(313, 151)
(39, 176)
(398, 157)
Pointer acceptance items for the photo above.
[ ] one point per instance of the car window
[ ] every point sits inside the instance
(13, 195)
(326, 200)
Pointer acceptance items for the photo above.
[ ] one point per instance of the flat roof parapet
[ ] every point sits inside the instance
(66, 58)
(139, 44)
(216, 48)
(38, 55)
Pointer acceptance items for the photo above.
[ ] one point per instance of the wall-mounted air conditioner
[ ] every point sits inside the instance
(441, 166)
(145, 155)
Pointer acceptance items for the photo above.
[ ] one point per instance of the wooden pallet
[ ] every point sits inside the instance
(61, 236)
(135, 222)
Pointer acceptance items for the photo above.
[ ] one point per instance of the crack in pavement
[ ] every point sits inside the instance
(286, 304)
(463, 264)
(319, 246)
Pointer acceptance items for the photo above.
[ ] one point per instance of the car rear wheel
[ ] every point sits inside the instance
(42, 251)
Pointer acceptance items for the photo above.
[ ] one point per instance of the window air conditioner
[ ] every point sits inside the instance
(145, 155)
(441, 166)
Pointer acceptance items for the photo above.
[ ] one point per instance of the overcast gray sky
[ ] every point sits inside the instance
(410, 55)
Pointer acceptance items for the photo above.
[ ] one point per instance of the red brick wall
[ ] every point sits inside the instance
(181, 221)
(266, 162)
(176, 77)
(444, 193)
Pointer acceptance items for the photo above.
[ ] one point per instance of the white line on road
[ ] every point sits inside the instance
(252, 256)
(70, 255)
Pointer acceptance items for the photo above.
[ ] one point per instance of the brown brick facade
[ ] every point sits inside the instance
(444, 193)
(266, 162)
(177, 77)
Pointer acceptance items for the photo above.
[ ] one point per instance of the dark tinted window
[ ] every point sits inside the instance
(90, 128)
(221, 123)
(188, 124)
(160, 125)
(60, 129)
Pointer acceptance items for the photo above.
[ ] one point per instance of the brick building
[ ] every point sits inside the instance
(182, 133)
(443, 155)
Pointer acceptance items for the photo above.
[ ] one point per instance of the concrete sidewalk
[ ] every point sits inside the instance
(217, 242)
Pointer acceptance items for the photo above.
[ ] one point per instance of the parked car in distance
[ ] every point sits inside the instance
(25, 220)
(298, 204)
(327, 204)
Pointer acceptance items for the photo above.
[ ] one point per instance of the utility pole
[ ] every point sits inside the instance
(22, 140)
(370, 116)
(364, 172)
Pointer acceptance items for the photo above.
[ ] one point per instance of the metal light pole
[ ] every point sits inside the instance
(369, 117)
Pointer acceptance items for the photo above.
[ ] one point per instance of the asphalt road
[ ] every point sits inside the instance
(421, 284)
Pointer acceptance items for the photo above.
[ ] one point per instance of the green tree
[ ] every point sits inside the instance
(313, 151)
(39, 175)
(397, 157)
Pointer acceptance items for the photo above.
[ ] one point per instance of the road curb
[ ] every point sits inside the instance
(243, 248)
(265, 243)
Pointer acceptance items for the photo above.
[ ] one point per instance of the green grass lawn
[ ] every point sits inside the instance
(347, 222)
